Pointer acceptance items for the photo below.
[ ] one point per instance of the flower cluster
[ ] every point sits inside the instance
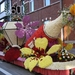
(26, 29)
(69, 16)
(16, 18)
(39, 56)
(64, 56)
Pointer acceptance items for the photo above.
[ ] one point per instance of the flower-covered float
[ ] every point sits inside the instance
(44, 48)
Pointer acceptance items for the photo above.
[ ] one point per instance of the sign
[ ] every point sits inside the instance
(16, 9)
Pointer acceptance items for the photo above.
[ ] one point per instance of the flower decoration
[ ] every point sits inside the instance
(72, 9)
(39, 56)
(12, 54)
(65, 56)
(69, 16)
(16, 18)
(27, 28)
(3, 42)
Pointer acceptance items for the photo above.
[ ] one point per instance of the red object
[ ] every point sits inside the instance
(40, 34)
(51, 72)
(41, 70)
(12, 54)
(3, 44)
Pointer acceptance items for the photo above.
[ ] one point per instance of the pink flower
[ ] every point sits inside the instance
(25, 30)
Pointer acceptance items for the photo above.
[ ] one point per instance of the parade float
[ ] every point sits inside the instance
(42, 51)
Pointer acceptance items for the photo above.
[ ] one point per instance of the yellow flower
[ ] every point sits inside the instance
(26, 51)
(30, 63)
(69, 46)
(1, 36)
(72, 9)
(44, 60)
(41, 43)
(54, 48)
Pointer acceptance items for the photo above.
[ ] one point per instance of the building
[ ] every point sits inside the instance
(41, 10)
(5, 10)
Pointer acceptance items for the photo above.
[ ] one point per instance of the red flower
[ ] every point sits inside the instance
(12, 54)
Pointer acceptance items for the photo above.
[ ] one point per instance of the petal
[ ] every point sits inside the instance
(26, 20)
(26, 51)
(54, 48)
(26, 63)
(72, 9)
(20, 33)
(27, 36)
(30, 31)
(41, 43)
(18, 25)
(69, 46)
(45, 61)
(32, 64)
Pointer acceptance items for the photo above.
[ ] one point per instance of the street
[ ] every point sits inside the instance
(10, 69)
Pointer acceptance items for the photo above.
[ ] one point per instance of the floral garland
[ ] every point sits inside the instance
(69, 16)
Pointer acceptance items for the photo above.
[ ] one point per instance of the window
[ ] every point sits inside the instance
(23, 7)
(28, 6)
(32, 5)
(2, 7)
(46, 2)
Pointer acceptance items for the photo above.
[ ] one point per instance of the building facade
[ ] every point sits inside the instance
(5, 10)
(41, 10)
